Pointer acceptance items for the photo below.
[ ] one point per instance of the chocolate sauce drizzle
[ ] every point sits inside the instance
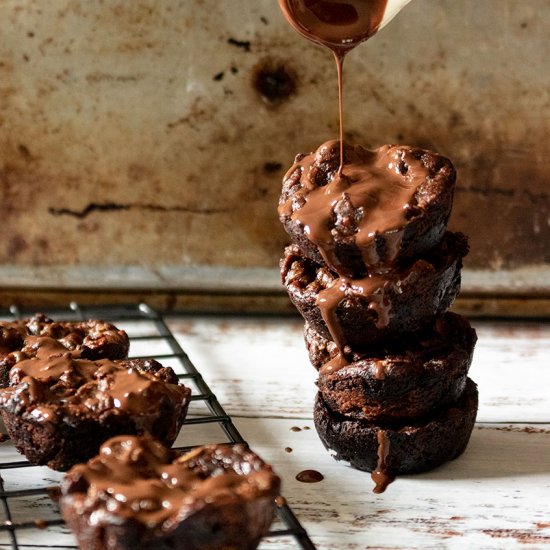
(339, 26)
(138, 478)
(55, 381)
(376, 195)
(380, 475)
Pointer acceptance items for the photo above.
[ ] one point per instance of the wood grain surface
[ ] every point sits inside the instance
(497, 495)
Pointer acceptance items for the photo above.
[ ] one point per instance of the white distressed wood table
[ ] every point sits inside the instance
(497, 495)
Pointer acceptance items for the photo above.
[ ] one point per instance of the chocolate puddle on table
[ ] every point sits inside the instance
(309, 476)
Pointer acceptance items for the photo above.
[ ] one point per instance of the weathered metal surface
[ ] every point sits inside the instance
(154, 133)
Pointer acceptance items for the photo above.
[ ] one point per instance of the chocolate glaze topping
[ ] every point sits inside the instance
(43, 347)
(55, 382)
(90, 339)
(378, 194)
(138, 478)
(381, 476)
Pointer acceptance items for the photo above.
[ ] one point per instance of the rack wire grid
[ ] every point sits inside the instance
(25, 490)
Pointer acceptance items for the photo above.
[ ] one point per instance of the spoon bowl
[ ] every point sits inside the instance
(339, 24)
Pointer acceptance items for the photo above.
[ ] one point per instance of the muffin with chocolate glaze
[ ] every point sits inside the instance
(372, 311)
(91, 339)
(386, 207)
(412, 446)
(58, 410)
(137, 495)
(412, 380)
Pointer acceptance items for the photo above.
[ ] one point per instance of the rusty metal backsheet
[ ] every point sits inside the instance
(154, 134)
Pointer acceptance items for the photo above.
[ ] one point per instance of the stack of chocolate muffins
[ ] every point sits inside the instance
(373, 271)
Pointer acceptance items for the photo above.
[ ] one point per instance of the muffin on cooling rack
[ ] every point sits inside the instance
(91, 339)
(138, 495)
(58, 410)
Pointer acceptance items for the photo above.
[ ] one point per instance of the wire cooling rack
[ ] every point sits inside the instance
(28, 516)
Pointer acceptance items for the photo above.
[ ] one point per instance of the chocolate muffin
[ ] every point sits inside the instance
(410, 447)
(137, 495)
(58, 410)
(386, 207)
(375, 310)
(409, 381)
(90, 339)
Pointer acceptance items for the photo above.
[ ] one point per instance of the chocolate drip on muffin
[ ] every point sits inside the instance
(371, 311)
(58, 409)
(381, 475)
(138, 494)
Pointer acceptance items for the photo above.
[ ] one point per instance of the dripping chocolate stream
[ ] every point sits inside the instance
(339, 25)
(339, 58)
(381, 477)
